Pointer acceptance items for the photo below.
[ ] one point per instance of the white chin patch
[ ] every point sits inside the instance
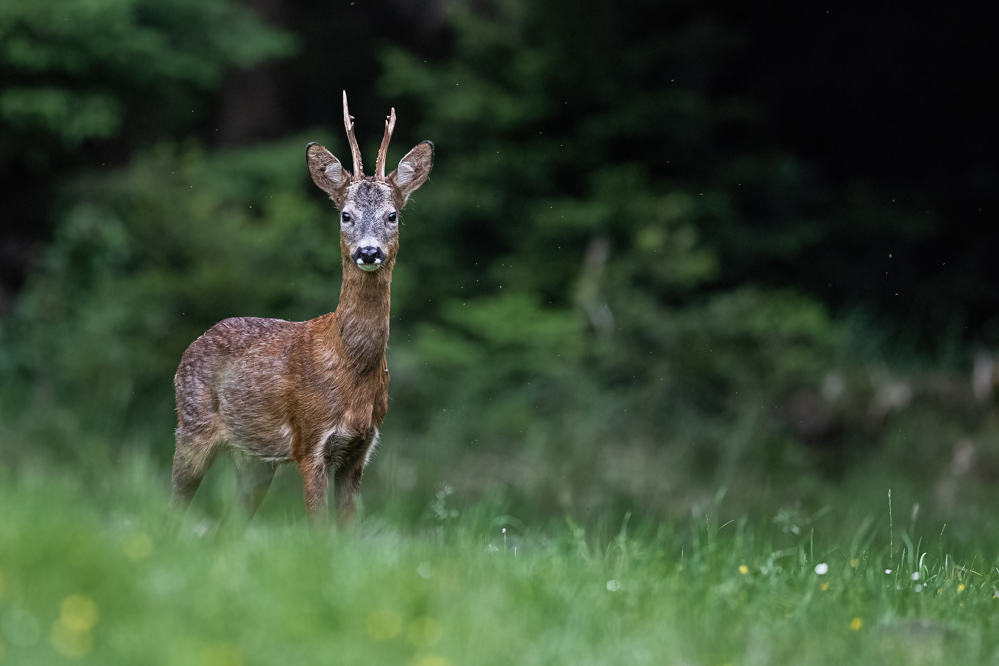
(370, 267)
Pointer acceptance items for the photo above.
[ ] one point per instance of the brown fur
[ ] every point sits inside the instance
(312, 392)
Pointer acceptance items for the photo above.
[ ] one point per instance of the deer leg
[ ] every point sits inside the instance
(191, 459)
(253, 478)
(346, 488)
(315, 482)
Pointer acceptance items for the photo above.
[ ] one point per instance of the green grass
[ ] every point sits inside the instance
(104, 575)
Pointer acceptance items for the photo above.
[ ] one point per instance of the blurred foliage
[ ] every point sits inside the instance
(552, 293)
(78, 71)
(567, 318)
(562, 179)
(148, 257)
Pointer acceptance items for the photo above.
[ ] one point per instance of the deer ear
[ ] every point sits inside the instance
(327, 172)
(413, 171)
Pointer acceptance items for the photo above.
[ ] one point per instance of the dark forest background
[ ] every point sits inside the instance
(666, 247)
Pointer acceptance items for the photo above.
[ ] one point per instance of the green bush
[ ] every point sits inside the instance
(552, 298)
(77, 71)
(149, 257)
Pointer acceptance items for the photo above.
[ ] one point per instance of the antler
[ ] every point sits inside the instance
(383, 150)
(355, 152)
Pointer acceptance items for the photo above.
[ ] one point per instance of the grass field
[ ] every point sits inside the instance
(104, 575)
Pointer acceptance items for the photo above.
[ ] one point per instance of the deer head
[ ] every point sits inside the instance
(369, 206)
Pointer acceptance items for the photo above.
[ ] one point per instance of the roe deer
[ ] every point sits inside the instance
(316, 391)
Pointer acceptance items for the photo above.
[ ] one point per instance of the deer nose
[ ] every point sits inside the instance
(369, 257)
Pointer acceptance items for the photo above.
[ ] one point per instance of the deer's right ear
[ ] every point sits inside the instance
(327, 172)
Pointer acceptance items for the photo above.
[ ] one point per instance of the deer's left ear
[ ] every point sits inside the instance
(413, 171)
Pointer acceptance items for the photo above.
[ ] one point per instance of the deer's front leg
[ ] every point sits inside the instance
(344, 457)
(346, 487)
(352, 457)
(315, 482)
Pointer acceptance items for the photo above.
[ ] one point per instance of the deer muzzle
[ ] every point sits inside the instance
(368, 258)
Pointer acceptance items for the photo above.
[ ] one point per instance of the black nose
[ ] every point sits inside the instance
(369, 255)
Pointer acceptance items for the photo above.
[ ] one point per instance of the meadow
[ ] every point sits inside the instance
(104, 573)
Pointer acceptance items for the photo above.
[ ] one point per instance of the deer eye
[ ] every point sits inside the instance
(345, 217)
(392, 217)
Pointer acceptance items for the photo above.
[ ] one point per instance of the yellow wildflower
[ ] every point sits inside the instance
(430, 660)
(78, 612)
(383, 624)
(222, 654)
(71, 634)
(424, 632)
(138, 546)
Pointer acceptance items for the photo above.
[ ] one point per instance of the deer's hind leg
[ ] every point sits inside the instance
(195, 452)
(200, 430)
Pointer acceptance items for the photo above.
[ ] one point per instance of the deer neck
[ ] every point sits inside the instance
(361, 326)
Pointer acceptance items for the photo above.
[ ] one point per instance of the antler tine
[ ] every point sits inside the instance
(383, 150)
(355, 152)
